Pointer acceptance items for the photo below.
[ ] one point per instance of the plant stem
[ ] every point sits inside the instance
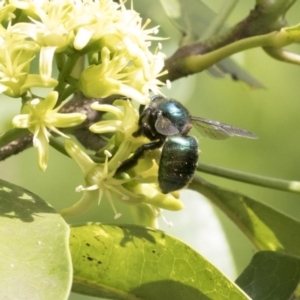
(264, 181)
(11, 135)
(57, 145)
(60, 59)
(68, 91)
(261, 28)
(66, 71)
(197, 63)
(283, 55)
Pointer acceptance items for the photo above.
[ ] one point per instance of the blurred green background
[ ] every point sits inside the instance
(271, 113)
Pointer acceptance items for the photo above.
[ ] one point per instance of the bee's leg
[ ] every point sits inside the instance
(141, 108)
(143, 119)
(133, 160)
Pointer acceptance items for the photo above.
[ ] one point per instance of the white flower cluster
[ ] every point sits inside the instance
(116, 46)
(113, 36)
(110, 37)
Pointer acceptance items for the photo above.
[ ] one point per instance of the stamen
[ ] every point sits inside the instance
(168, 83)
(100, 196)
(117, 216)
(81, 188)
(35, 101)
(107, 153)
(155, 30)
(111, 201)
(170, 224)
(148, 21)
(45, 132)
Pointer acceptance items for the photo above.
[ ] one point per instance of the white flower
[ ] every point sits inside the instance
(40, 116)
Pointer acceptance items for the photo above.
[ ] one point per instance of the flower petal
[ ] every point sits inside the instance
(53, 129)
(3, 88)
(46, 60)
(41, 143)
(82, 38)
(21, 121)
(134, 94)
(36, 80)
(88, 199)
(108, 108)
(81, 158)
(107, 126)
(67, 120)
(48, 103)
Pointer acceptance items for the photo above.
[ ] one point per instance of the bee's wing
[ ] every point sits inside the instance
(164, 126)
(219, 131)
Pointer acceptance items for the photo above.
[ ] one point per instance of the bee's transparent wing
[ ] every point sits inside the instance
(164, 126)
(217, 130)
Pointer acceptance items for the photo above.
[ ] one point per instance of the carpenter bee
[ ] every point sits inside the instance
(166, 123)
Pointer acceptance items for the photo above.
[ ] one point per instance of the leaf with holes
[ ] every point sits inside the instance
(132, 262)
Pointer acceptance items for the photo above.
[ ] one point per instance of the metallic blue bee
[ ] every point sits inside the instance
(166, 123)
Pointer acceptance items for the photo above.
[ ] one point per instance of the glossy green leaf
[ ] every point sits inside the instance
(35, 261)
(266, 227)
(270, 276)
(132, 262)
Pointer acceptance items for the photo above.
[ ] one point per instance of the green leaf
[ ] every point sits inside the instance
(270, 276)
(230, 67)
(132, 262)
(34, 259)
(267, 228)
(191, 17)
(196, 21)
